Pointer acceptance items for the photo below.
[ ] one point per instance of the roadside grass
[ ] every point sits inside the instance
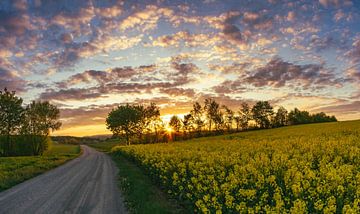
(14, 170)
(106, 146)
(141, 195)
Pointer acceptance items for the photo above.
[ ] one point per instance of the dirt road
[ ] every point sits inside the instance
(84, 185)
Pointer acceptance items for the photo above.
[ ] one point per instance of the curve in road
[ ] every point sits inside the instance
(86, 184)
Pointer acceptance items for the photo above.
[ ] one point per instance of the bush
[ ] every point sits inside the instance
(24, 145)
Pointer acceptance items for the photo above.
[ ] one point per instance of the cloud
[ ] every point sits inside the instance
(184, 38)
(146, 19)
(124, 80)
(11, 81)
(71, 94)
(354, 52)
(347, 108)
(278, 73)
(335, 3)
(188, 92)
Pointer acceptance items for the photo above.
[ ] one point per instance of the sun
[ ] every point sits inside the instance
(169, 129)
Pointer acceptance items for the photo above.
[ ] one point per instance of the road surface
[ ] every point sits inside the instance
(84, 185)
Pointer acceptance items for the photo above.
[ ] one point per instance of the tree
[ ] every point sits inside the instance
(262, 112)
(11, 118)
(299, 117)
(280, 118)
(124, 120)
(237, 120)
(212, 111)
(219, 121)
(150, 120)
(187, 123)
(244, 116)
(40, 119)
(197, 113)
(175, 124)
(229, 117)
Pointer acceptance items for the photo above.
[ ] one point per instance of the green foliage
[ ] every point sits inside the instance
(297, 116)
(306, 169)
(11, 118)
(281, 117)
(25, 131)
(25, 145)
(40, 118)
(125, 120)
(140, 193)
(14, 170)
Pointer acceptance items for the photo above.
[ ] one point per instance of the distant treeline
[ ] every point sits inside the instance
(25, 130)
(142, 124)
(74, 140)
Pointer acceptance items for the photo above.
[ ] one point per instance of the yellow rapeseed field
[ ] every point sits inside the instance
(309, 168)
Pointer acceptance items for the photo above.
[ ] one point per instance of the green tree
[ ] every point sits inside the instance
(40, 119)
(262, 112)
(297, 116)
(281, 117)
(11, 118)
(125, 120)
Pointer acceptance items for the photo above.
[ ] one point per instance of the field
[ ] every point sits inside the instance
(14, 170)
(307, 168)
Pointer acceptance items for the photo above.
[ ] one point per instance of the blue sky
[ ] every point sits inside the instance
(89, 56)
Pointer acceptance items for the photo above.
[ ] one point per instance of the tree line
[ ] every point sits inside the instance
(24, 130)
(142, 124)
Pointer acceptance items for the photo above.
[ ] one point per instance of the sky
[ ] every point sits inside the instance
(88, 57)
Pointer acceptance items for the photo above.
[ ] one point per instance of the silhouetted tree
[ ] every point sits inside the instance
(187, 123)
(197, 114)
(150, 121)
(212, 111)
(237, 120)
(244, 115)
(175, 124)
(262, 112)
(229, 117)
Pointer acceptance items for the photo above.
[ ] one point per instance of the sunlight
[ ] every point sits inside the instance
(169, 129)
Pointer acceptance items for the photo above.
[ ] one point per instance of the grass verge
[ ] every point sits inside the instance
(14, 170)
(140, 193)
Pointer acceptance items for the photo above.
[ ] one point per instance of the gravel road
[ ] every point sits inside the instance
(84, 185)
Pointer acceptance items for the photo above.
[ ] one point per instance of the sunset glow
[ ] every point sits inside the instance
(87, 57)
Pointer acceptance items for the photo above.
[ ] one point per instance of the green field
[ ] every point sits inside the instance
(14, 170)
(307, 168)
